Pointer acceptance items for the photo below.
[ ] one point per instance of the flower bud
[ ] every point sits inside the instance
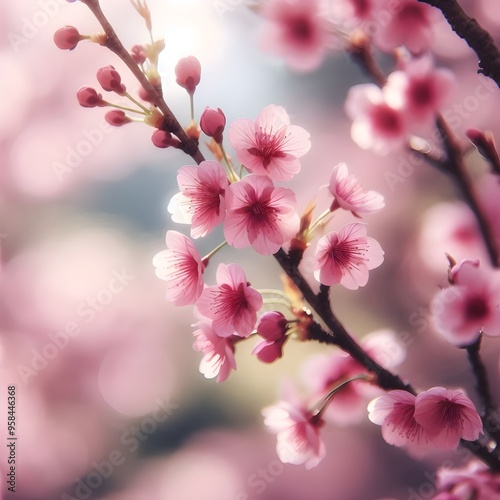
(67, 38)
(110, 80)
(188, 73)
(212, 122)
(89, 98)
(117, 118)
(138, 53)
(163, 139)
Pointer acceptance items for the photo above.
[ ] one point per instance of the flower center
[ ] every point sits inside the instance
(476, 308)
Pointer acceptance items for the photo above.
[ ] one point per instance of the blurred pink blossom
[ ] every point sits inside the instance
(297, 433)
(469, 306)
(295, 31)
(376, 124)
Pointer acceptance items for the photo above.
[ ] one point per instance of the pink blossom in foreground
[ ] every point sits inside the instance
(273, 326)
(201, 199)
(470, 306)
(232, 304)
(260, 214)
(270, 145)
(346, 257)
(410, 24)
(298, 440)
(448, 416)
(218, 360)
(395, 412)
(349, 195)
(376, 124)
(421, 90)
(110, 80)
(182, 268)
(296, 31)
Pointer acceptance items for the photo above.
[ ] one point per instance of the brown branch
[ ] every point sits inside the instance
(474, 34)
(454, 165)
(188, 145)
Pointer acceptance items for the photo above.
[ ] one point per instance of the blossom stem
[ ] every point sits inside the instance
(474, 34)
(137, 103)
(188, 145)
(233, 176)
(191, 104)
(125, 108)
(489, 413)
(454, 165)
(214, 251)
(318, 221)
(339, 335)
(327, 400)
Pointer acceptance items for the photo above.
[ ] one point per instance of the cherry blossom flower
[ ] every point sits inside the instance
(409, 24)
(181, 266)
(67, 38)
(346, 257)
(298, 440)
(395, 412)
(448, 416)
(188, 73)
(349, 195)
(218, 359)
(260, 214)
(296, 31)
(270, 145)
(273, 327)
(201, 200)
(376, 124)
(470, 306)
(421, 90)
(232, 304)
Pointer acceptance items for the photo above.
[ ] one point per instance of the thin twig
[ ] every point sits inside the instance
(188, 145)
(474, 34)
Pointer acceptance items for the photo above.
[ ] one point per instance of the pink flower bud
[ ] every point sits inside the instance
(212, 122)
(117, 118)
(188, 73)
(67, 38)
(138, 53)
(144, 95)
(110, 80)
(272, 325)
(89, 98)
(164, 139)
(269, 351)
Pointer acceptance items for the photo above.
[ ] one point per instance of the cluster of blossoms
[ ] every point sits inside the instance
(255, 210)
